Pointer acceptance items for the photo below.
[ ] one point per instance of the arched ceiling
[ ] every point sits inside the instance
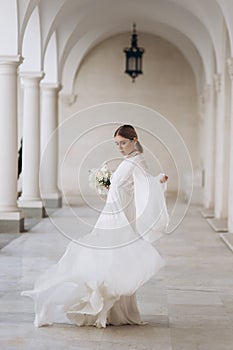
(195, 27)
(91, 39)
(227, 10)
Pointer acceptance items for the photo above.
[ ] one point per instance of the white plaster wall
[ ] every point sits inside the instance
(8, 28)
(167, 86)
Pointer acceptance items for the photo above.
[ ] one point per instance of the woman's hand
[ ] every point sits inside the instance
(164, 179)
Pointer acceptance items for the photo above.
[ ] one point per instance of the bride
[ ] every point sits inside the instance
(95, 281)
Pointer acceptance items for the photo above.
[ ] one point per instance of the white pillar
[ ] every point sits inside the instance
(49, 146)
(221, 202)
(230, 196)
(11, 218)
(209, 147)
(30, 200)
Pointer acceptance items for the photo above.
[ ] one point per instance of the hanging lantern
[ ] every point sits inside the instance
(133, 57)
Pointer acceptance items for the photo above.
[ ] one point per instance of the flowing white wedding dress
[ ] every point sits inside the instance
(95, 281)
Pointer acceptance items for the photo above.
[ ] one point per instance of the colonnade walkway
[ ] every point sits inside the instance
(188, 305)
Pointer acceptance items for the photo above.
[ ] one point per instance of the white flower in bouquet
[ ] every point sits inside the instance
(99, 179)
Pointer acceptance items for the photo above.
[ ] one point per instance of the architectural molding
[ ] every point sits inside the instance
(230, 67)
(31, 78)
(68, 99)
(202, 106)
(207, 92)
(204, 99)
(51, 86)
(10, 64)
(218, 82)
(18, 59)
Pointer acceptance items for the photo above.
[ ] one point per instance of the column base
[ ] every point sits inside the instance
(207, 213)
(228, 239)
(11, 222)
(218, 225)
(32, 209)
(53, 201)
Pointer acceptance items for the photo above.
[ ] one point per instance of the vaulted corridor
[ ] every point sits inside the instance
(63, 93)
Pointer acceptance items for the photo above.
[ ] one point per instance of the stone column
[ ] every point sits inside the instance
(209, 149)
(49, 146)
(30, 201)
(220, 151)
(11, 218)
(219, 222)
(230, 196)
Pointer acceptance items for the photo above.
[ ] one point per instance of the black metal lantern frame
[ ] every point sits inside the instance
(133, 57)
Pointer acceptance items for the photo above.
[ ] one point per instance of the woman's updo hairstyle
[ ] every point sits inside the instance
(127, 131)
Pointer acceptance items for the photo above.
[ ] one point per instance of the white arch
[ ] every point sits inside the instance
(192, 27)
(26, 8)
(9, 40)
(210, 14)
(191, 18)
(91, 39)
(31, 47)
(62, 16)
(227, 9)
(51, 61)
(50, 12)
(186, 17)
(186, 47)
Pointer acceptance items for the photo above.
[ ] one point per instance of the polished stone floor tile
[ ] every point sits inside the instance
(184, 339)
(143, 337)
(188, 305)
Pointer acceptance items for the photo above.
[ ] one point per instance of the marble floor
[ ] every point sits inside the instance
(188, 305)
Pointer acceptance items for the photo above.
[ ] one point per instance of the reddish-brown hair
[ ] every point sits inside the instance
(129, 132)
(126, 131)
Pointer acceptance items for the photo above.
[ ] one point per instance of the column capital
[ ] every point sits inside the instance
(218, 82)
(9, 64)
(17, 59)
(230, 67)
(31, 78)
(51, 86)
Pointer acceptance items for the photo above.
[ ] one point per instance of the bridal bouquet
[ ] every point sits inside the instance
(99, 179)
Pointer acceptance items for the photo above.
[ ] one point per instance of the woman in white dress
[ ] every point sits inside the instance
(95, 281)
